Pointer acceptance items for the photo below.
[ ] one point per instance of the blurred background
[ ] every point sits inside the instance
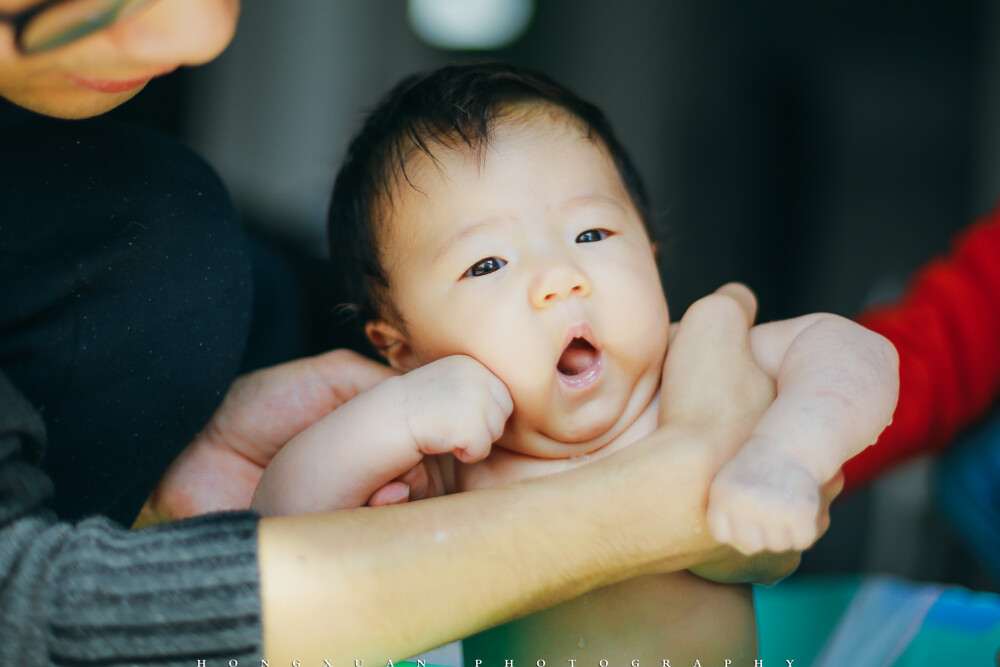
(817, 151)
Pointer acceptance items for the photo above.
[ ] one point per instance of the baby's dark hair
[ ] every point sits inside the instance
(453, 106)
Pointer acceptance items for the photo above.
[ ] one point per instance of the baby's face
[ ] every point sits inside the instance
(535, 263)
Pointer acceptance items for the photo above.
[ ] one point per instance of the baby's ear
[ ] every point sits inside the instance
(391, 344)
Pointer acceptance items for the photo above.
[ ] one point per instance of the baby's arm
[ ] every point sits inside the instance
(837, 385)
(453, 405)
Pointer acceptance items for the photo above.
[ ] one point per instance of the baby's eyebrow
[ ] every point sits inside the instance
(469, 230)
(594, 200)
(571, 204)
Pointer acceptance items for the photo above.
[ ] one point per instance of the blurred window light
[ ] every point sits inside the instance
(470, 24)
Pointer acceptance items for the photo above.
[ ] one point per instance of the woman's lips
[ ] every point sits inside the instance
(116, 85)
(109, 85)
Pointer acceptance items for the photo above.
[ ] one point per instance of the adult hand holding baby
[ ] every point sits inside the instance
(709, 358)
(709, 363)
(714, 394)
(641, 508)
(220, 469)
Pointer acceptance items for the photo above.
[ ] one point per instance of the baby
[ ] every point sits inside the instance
(494, 234)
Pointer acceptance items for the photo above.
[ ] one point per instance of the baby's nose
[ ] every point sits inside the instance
(557, 283)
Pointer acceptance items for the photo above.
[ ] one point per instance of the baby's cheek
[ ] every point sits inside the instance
(646, 346)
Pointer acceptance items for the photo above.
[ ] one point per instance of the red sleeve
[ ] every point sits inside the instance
(947, 331)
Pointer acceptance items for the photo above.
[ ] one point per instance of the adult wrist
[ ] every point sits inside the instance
(651, 501)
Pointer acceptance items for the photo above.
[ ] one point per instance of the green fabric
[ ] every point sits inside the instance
(796, 617)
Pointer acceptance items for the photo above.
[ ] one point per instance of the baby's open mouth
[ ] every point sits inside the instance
(580, 363)
(578, 356)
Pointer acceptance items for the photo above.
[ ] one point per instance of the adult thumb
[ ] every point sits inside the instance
(710, 376)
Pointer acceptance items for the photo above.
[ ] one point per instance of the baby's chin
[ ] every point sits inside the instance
(553, 442)
(555, 435)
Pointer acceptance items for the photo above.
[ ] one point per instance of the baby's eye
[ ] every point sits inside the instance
(593, 235)
(482, 267)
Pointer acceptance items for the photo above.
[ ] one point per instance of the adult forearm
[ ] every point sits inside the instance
(335, 586)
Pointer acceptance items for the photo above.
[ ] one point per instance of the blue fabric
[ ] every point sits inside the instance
(968, 491)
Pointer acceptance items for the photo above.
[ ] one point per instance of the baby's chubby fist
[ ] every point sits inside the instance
(454, 404)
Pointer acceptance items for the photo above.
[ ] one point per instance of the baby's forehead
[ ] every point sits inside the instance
(439, 170)
(436, 155)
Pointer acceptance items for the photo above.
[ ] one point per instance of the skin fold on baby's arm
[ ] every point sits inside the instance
(837, 385)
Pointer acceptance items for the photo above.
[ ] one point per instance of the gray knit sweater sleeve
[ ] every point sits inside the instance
(96, 593)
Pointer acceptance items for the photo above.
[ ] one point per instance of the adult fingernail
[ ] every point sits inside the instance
(399, 493)
(418, 481)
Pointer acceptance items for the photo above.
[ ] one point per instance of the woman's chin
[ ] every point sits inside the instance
(74, 104)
